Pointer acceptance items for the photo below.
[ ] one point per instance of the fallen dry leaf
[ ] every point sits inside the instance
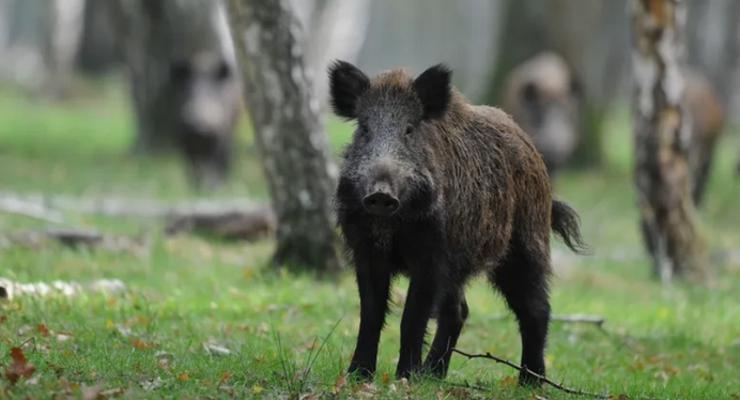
(43, 330)
(110, 393)
(183, 377)
(340, 383)
(508, 382)
(366, 390)
(140, 344)
(92, 392)
(225, 378)
(164, 359)
(19, 367)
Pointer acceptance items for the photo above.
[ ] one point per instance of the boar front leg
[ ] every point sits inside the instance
(422, 294)
(373, 282)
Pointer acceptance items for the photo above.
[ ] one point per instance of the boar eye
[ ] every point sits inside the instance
(362, 128)
(409, 129)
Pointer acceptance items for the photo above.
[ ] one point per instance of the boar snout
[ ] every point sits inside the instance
(381, 201)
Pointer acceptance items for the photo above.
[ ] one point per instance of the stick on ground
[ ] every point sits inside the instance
(558, 386)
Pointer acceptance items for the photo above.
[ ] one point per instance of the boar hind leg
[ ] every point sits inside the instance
(522, 278)
(700, 176)
(452, 313)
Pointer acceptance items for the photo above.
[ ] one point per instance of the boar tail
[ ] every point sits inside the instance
(566, 223)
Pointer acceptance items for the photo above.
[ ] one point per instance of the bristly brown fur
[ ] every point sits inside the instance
(474, 197)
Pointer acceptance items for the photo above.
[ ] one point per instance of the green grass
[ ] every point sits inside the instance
(659, 342)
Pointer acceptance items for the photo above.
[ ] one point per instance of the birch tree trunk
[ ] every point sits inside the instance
(667, 211)
(288, 130)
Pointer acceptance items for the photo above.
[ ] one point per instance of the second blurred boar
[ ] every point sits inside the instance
(705, 117)
(206, 101)
(543, 98)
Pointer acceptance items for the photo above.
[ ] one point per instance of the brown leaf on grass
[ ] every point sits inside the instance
(339, 384)
(140, 344)
(366, 390)
(225, 378)
(164, 359)
(19, 367)
(91, 392)
(110, 393)
(454, 393)
(3, 318)
(508, 382)
(183, 377)
(43, 330)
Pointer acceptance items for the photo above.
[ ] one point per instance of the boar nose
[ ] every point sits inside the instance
(380, 204)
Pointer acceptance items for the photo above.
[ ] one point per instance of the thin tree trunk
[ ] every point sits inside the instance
(288, 130)
(97, 53)
(668, 215)
(38, 42)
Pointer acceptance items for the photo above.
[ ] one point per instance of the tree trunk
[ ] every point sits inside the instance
(667, 211)
(154, 35)
(288, 131)
(39, 41)
(97, 53)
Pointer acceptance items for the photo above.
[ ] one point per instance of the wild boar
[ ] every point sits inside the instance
(440, 190)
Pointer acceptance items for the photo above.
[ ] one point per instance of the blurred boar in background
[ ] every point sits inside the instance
(206, 102)
(705, 117)
(180, 60)
(543, 97)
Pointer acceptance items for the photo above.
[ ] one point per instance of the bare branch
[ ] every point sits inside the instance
(558, 386)
(33, 210)
(579, 319)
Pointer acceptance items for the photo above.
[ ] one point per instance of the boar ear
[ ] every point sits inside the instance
(434, 91)
(347, 83)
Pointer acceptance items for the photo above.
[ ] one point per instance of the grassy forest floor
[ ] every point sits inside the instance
(205, 319)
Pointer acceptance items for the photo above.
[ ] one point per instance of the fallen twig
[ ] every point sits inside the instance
(579, 319)
(558, 386)
(232, 225)
(49, 207)
(74, 238)
(596, 320)
(34, 210)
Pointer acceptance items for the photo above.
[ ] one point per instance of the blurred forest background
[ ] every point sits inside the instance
(177, 151)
